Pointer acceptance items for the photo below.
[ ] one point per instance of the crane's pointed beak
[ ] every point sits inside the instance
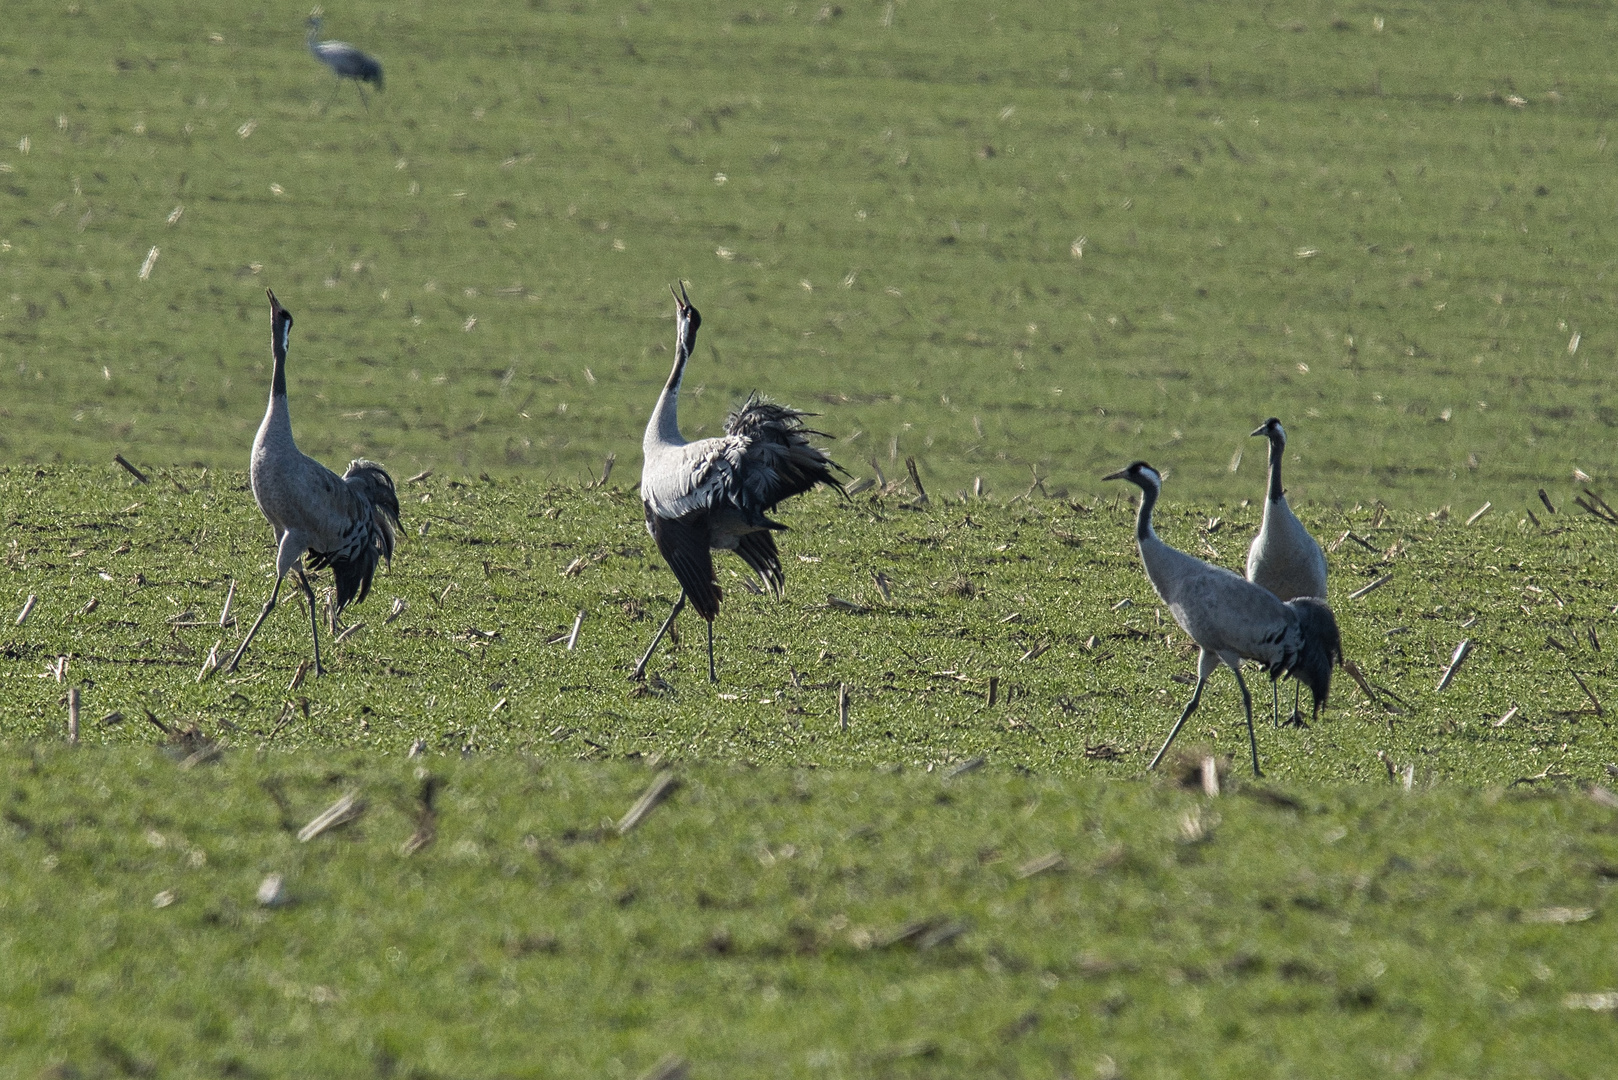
(275, 305)
(1265, 431)
(1121, 474)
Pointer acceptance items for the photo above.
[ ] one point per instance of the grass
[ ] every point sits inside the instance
(788, 923)
(1389, 228)
(477, 662)
(994, 239)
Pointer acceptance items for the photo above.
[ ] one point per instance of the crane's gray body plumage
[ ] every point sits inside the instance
(347, 522)
(717, 494)
(1230, 618)
(1283, 557)
(345, 61)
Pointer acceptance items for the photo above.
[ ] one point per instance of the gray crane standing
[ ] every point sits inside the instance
(1284, 558)
(345, 61)
(346, 522)
(1230, 618)
(715, 494)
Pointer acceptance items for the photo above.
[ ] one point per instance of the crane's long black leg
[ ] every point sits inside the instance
(1205, 667)
(713, 676)
(269, 606)
(1296, 719)
(640, 668)
(314, 623)
(1275, 703)
(1247, 704)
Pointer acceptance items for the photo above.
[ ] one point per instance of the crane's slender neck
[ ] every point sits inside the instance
(664, 428)
(314, 33)
(277, 418)
(1278, 444)
(280, 330)
(1143, 519)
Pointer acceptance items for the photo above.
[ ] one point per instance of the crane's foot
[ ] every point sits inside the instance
(1296, 720)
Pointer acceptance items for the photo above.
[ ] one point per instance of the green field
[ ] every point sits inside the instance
(1017, 243)
(790, 924)
(131, 582)
(781, 916)
(878, 207)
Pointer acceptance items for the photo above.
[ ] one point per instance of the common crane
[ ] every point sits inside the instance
(345, 61)
(716, 494)
(346, 522)
(1232, 619)
(1284, 558)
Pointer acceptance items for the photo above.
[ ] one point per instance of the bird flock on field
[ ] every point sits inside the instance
(717, 494)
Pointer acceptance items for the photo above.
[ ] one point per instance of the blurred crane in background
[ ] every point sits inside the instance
(345, 61)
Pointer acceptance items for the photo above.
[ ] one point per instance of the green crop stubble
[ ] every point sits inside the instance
(1415, 214)
(477, 660)
(789, 923)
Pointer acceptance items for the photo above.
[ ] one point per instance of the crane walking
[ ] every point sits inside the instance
(346, 522)
(1284, 558)
(345, 61)
(1230, 618)
(715, 494)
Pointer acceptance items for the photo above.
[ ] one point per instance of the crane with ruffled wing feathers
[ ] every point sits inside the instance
(717, 494)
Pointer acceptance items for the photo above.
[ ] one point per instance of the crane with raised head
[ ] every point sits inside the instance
(1283, 557)
(345, 61)
(716, 494)
(345, 522)
(1230, 618)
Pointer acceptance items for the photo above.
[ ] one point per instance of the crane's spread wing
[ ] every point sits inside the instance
(683, 543)
(763, 458)
(779, 461)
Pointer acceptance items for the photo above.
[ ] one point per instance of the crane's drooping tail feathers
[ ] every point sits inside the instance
(1322, 646)
(354, 564)
(797, 465)
(757, 550)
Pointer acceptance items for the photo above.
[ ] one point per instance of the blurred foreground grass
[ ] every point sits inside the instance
(787, 922)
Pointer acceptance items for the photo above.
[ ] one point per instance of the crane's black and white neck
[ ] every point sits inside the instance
(276, 427)
(1272, 430)
(663, 429)
(1230, 618)
(1150, 483)
(716, 494)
